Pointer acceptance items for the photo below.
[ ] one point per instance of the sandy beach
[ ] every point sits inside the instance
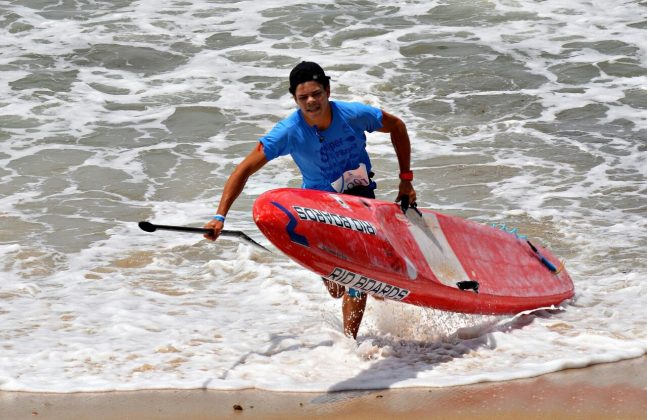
(612, 390)
(527, 117)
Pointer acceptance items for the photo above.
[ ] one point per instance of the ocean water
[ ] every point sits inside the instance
(532, 114)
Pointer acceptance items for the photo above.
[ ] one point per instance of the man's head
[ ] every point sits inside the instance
(307, 71)
(310, 88)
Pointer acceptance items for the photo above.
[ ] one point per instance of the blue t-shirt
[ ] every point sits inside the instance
(323, 156)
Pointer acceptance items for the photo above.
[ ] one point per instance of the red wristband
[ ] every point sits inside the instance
(406, 176)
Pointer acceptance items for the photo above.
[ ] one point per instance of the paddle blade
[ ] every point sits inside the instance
(147, 226)
(150, 227)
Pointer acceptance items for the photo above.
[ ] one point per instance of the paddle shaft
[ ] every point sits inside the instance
(150, 227)
(185, 229)
(543, 259)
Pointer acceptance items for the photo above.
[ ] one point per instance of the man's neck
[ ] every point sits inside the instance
(322, 122)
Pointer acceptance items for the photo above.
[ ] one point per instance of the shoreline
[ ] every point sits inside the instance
(610, 390)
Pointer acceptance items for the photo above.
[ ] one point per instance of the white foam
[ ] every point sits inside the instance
(89, 302)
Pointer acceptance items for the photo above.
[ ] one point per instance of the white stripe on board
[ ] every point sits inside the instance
(434, 246)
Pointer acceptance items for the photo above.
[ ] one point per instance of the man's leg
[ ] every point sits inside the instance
(335, 290)
(354, 303)
(352, 309)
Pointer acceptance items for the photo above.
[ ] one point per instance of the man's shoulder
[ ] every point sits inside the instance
(291, 121)
(352, 107)
(288, 131)
(361, 115)
(287, 124)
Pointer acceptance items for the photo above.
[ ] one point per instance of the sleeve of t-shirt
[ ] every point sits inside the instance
(368, 117)
(276, 143)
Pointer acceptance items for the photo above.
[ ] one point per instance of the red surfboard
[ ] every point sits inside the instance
(422, 257)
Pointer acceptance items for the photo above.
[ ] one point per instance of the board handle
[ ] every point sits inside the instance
(468, 285)
(405, 205)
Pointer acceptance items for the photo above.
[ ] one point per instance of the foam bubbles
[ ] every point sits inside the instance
(525, 113)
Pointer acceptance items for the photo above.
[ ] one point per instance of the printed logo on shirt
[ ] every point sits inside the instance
(332, 219)
(335, 154)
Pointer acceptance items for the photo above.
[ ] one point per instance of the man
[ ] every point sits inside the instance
(327, 141)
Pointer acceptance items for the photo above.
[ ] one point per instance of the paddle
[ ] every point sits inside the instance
(543, 259)
(150, 227)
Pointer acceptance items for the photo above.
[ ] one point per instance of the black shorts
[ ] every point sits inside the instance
(367, 191)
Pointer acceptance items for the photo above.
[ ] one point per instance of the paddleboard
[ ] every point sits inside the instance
(421, 257)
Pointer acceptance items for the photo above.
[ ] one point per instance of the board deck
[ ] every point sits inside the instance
(428, 258)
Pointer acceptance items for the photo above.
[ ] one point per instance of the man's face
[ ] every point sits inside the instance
(312, 99)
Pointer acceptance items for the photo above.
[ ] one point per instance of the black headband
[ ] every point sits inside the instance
(307, 71)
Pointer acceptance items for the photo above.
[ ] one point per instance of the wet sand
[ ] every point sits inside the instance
(613, 390)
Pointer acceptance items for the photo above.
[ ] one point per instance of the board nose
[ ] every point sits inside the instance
(275, 219)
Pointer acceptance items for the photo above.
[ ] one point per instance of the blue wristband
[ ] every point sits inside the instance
(219, 217)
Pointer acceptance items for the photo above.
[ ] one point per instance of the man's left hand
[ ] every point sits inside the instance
(406, 189)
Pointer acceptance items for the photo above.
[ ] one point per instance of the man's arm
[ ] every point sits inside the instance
(254, 161)
(400, 139)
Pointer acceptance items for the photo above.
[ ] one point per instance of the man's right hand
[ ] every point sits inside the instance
(234, 186)
(217, 227)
